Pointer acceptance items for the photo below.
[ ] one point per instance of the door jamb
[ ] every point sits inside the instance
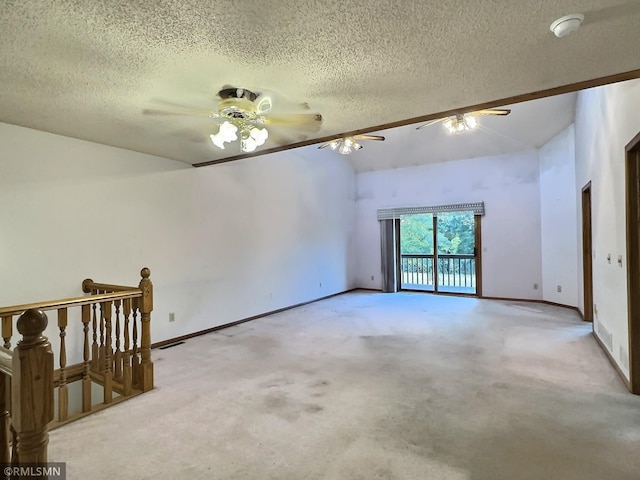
(587, 256)
(632, 201)
(478, 251)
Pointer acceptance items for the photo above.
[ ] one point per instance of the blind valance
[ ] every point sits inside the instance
(391, 213)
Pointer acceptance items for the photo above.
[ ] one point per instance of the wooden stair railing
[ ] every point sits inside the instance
(116, 343)
(26, 393)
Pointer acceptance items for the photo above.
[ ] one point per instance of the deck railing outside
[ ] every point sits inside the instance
(454, 272)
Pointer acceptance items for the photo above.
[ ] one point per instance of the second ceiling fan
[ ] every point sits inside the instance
(346, 145)
(463, 122)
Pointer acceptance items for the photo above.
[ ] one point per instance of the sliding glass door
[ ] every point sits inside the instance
(438, 252)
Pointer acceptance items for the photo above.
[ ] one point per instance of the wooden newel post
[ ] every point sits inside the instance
(32, 388)
(146, 306)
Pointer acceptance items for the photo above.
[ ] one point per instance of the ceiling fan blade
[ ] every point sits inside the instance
(432, 122)
(196, 137)
(326, 144)
(286, 137)
(293, 119)
(492, 111)
(171, 108)
(369, 137)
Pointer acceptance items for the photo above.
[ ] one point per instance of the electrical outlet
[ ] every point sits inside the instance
(559, 288)
(172, 317)
(535, 286)
(372, 278)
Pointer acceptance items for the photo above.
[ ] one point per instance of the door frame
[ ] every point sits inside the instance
(397, 257)
(477, 255)
(632, 201)
(587, 254)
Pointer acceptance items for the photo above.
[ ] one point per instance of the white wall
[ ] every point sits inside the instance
(223, 242)
(607, 119)
(558, 213)
(508, 184)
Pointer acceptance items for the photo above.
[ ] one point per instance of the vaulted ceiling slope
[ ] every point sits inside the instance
(89, 69)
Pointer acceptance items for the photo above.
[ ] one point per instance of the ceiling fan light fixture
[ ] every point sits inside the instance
(252, 138)
(226, 134)
(346, 145)
(344, 149)
(248, 144)
(259, 134)
(243, 115)
(460, 123)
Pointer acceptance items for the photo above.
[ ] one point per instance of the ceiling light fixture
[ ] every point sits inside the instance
(566, 25)
(247, 116)
(242, 114)
(460, 123)
(464, 122)
(345, 145)
(251, 137)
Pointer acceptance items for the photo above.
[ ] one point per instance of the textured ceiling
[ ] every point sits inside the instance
(88, 69)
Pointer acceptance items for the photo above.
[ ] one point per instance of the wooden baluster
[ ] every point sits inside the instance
(5, 454)
(126, 368)
(95, 362)
(94, 345)
(32, 388)
(7, 330)
(101, 363)
(135, 360)
(105, 307)
(146, 306)
(86, 379)
(63, 395)
(117, 371)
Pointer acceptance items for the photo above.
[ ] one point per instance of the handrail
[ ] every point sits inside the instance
(88, 285)
(70, 302)
(116, 317)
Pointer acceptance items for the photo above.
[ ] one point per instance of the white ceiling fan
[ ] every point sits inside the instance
(464, 122)
(252, 117)
(346, 145)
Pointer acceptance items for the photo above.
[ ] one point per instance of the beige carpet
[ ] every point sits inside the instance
(373, 386)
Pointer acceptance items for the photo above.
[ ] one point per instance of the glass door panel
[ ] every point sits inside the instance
(416, 252)
(455, 246)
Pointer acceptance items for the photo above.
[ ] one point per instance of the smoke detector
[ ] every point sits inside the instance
(566, 25)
